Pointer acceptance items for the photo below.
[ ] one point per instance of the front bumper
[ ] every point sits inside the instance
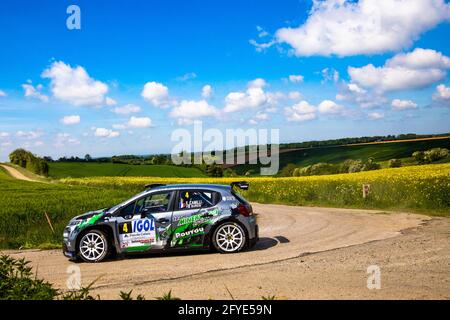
(69, 242)
(67, 253)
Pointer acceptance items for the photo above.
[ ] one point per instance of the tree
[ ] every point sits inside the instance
(87, 158)
(214, 170)
(229, 173)
(395, 163)
(350, 166)
(288, 170)
(29, 161)
(20, 157)
(370, 164)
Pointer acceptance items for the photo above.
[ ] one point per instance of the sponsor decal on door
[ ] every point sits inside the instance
(137, 233)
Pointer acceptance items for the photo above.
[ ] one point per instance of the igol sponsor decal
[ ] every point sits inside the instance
(189, 233)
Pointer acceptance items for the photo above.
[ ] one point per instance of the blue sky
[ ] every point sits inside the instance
(269, 64)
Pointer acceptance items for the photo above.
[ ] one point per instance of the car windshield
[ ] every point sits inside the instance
(114, 208)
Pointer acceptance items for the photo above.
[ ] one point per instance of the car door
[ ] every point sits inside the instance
(192, 213)
(142, 225)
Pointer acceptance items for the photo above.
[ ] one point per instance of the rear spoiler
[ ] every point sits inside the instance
(243, 185)
(153, 185)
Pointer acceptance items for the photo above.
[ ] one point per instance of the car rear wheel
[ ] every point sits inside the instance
(229, 238)
(93, 246)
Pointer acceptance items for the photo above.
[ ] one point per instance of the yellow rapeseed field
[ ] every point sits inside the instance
(420, 188)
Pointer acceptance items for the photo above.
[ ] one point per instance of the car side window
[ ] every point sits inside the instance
(157, 202)
(196, 199)
(128, 210)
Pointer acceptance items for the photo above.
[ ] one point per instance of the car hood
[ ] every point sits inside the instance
(89, 214)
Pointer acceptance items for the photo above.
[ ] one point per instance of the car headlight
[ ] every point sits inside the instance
(74, 223)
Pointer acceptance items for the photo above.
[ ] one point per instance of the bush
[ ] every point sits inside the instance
(395, 163)
(229, 173)
(29, 161)
(288, 170)
(18, 283)
(370, 164)
(351, 166)
(429, 156)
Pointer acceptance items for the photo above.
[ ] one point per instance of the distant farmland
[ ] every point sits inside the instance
(335, 154)
(60, 170)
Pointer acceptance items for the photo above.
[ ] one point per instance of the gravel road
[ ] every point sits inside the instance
(304, 252)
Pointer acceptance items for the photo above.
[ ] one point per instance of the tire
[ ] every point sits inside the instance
(229, 237)
(93, 246)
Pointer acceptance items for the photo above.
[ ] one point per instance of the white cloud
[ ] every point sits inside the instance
(106, 133)
(414, 70)
(330, 74)
(420, 59)
(207, 91)
(353, 93)
(4, 135)
(261, 32)
(376, 116)
(347, 28)
(296, 78)
(261, 47)
(74, 85)
(157, 94)
(34, 92)
(139, 122)
(300, 112)
(189, 110)
(260, 116)
(6, 144)
(2, 93)
(187, 76)
(29, 135)
(110, 101)
(295, 95)
(127, 109)
(119, 126)
(330, 107)
(69, 120)
(403, 104)
(65, 139)
(442, 93)
(254, 97)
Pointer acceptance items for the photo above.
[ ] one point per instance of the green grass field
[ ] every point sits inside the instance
(380, 152)
(58, 170)
(23, 204)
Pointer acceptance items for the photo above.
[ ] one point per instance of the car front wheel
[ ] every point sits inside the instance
(93, 246)
(229, 238)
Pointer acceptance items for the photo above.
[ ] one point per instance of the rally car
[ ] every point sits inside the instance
(163, 218)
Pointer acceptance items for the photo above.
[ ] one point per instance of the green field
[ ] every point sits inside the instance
(380, 152)
(58, 170)
(23, 204)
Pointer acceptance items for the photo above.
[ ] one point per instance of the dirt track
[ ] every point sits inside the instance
(16, 173)
(303, 253)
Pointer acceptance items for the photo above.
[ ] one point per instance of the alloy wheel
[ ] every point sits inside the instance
(230, 237)
(92, 246)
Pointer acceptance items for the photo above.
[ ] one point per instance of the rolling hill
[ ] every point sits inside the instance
(381, 152)
(58, 170)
